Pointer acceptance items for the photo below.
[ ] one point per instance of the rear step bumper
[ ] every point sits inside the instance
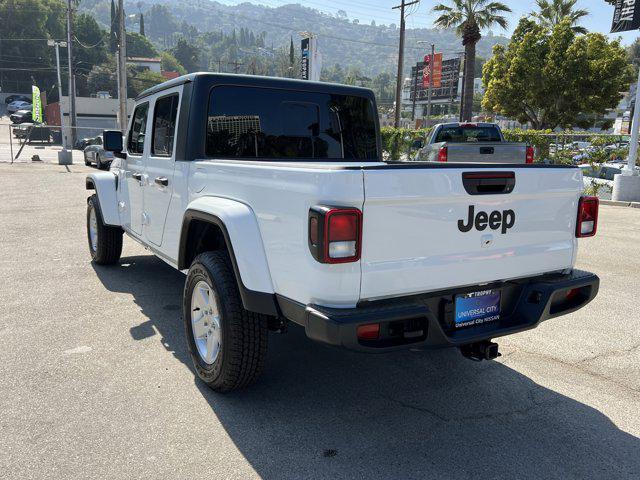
(426, 321)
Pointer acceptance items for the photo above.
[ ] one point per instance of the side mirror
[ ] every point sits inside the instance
(417, 144)
(112, 142)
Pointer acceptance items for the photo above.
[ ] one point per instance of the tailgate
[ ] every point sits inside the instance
(487, 152)
(417, 236)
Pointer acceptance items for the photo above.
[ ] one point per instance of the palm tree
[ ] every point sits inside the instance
(552, 12)
(469, 17)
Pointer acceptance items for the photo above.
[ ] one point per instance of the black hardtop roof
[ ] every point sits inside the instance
(259, 81)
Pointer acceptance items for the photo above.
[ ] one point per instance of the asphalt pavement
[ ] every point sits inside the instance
(95, 381)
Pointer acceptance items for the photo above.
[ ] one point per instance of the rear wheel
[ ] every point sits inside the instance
(227, 344)
(105, 242)
(86, 160)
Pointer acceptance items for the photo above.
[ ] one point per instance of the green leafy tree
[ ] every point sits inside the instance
(188, 54)
(139, 46)
(469, 18)
(552, 12)
(113, 29)
(292, 54)
(170, 63)
(139, 81)
(549, 78)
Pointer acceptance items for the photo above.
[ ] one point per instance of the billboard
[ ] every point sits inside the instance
(445, 83)
(304, 61)
(626, 16)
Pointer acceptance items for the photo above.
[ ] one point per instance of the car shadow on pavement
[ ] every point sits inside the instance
(320, 412)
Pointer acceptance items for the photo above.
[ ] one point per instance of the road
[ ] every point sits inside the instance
(95, 380)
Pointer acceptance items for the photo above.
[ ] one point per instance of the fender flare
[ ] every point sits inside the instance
(106, 185)
(243, 240)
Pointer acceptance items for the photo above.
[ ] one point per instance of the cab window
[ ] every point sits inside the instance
(270, 123)
(135, 141)
(164, 125)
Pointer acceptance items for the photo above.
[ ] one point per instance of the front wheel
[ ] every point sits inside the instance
(105, 242)
(227, 344)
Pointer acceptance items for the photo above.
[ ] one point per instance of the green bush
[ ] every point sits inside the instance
(397, 142)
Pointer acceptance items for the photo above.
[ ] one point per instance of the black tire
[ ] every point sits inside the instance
(86, 161)
(99, 164)
(108, 247)
(243, 348)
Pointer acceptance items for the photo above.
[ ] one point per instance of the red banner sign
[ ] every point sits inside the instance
(437, 71)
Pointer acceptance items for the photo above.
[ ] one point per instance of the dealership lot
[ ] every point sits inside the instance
(95, 380)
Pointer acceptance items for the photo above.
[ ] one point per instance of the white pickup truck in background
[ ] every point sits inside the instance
(270, 194)
(472, 143)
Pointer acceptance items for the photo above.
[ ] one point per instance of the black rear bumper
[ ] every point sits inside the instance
(426, 321)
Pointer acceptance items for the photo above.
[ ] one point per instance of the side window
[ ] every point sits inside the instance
(164, 125)
(135, 140)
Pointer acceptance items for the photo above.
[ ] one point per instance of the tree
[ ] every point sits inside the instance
(142, 24)
(139, 46)
(552, 12)
(292, 54)
(550, 78)
(469, 17)
(113, 30)
(171, 64)
(634, 52)
(188, 55)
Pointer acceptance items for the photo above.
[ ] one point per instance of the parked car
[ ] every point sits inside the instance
(272, 195)
(472, 143)
(18, 105)
(21, 116)
(95, 154)
(83, 143)
(15, 98)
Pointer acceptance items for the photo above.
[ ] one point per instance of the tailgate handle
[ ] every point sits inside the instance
(488, 183)
(486, 150)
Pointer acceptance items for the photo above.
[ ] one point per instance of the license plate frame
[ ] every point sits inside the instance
(476, 308)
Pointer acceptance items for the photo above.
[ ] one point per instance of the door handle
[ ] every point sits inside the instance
(162, 181)
(137, 176)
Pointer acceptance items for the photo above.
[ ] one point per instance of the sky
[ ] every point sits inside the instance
(381, 11)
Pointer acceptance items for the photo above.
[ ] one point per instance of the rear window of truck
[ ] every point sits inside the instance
(468, 133)
(269, 123)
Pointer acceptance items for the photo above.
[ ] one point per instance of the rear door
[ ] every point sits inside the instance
(427, 229)
(160, 163)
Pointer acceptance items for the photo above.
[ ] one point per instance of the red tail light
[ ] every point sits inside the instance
(530, 153)
(587, 223)
(335, 234)
(443, 154)
(368, 332)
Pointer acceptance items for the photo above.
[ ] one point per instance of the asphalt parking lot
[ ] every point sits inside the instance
(95, 381)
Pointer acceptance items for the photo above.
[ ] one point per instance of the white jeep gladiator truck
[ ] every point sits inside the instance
(270, 194)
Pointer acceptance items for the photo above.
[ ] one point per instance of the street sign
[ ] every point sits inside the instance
(626, 16)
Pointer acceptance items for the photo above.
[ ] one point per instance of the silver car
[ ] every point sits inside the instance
(95, 154)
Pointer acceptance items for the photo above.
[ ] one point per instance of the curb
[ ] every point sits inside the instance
(620, 204)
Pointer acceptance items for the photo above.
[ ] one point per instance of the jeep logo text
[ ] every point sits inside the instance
(495, 220)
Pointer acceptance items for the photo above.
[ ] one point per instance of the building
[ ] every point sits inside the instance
(93, 115)
(478, 87)
(145, 63)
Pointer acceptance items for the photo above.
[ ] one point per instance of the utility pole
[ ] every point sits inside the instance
(236, 64)
(400, 60)
(122, 67)
(430, 92)
(415, 94)
(72, 80)
(64, 158)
